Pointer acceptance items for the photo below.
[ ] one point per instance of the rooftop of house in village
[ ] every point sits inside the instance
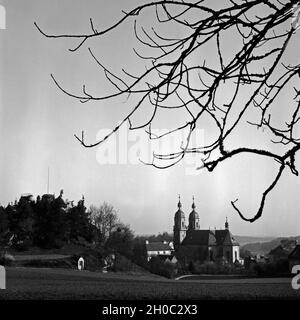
(295, 254)
(158, 246)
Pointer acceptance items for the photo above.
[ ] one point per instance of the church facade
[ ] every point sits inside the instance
(191, 243)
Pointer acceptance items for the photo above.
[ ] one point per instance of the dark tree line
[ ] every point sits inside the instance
(255, 73)
(50, 222)
(46, 222)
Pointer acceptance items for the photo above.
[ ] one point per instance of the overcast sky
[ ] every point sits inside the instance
(38, 123)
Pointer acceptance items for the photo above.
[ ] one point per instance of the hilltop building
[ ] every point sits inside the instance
(191, 243)
(164, 250)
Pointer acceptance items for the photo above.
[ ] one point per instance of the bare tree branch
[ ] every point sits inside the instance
(177, 78)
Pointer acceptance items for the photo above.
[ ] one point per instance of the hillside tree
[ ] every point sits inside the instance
(105, 219)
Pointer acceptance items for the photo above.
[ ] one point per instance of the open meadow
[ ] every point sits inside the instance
(61, 284)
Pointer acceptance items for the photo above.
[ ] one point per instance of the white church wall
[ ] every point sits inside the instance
(235, 253)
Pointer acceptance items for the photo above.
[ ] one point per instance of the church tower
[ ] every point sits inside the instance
(179, 226)
(194, 223)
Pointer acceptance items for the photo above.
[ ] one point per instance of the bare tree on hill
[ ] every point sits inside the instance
(105, 218)
(178, 77)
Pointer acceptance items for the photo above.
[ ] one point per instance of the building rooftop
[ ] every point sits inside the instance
(295, 254)
(158, 246)
(209, 237)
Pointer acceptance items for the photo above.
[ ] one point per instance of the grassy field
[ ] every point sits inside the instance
(31, 257)
(34, 283)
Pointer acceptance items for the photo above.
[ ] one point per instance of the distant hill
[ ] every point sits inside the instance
(242, 240)
(266, 247)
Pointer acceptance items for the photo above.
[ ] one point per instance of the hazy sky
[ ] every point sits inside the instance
(37, 124)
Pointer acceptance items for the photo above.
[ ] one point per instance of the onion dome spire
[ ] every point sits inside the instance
(179, 203)
(226, 224)
(193, 205)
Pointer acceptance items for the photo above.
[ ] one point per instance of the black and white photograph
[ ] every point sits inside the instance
(149, 152)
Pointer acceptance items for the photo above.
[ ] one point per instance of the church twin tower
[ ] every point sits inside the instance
(180, 227)
(182, 231)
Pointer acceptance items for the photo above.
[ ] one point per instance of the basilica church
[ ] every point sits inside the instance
(191, 243)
